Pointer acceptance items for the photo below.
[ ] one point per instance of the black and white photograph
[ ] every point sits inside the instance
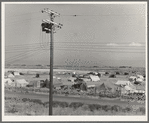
(85, 60)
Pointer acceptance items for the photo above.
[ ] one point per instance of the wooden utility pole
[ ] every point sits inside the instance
(49, 27)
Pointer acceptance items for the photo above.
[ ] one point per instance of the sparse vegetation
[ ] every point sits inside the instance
(16, 106)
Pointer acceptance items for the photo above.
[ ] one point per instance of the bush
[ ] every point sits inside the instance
(63, 104)
(115, 108)
(36, 101)
(75, 105)
(25, 99)
(93, 107)
(127, 109)
(142, 109)
(106, 107)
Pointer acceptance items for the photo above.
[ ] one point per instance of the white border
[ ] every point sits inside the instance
(67, 118)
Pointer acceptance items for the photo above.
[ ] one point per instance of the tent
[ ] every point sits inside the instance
(138, 81)
(102, 72)
(11, 75)
(91, 86)
(104, 87)
(132, 78)
(86, 79)
(59, 78)
(94, 78)
(140, 76)
(21, 82)
(35, 84)
(122, 83)
(8, 81)
(71, 79)
(55, 82)
(16, 73)
(128, 88)
(83, 87)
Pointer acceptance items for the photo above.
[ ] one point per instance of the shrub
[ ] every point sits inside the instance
(115, 108)
(63, 104)
(85, 107)
(106, 107)
(142, 109)
(25, 99)
(37, 101)
(93, 107)
(127, 109)
(76, 105)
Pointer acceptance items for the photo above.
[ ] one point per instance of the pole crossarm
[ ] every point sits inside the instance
(57, 25)
(50, 12)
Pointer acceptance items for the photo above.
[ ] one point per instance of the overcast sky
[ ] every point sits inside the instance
(92, 34)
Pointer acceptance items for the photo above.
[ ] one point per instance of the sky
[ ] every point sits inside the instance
(91, 35)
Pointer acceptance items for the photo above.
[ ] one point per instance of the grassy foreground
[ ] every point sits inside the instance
(16, 106)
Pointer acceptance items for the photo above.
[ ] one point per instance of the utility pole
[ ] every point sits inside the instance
(49, 27)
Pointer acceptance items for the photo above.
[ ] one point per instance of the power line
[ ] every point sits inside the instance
(97, 15)
(23, 14)
(74, 43)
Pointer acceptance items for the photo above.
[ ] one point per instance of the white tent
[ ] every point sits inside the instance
(91, 86)
(138, 81)
(122, 83)
(10, 75)
(140, 76)
(94, 78)
(21, 82)
(8, 81)
(128, 88)
(16, 73)
(59, 78)
(86, 79)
